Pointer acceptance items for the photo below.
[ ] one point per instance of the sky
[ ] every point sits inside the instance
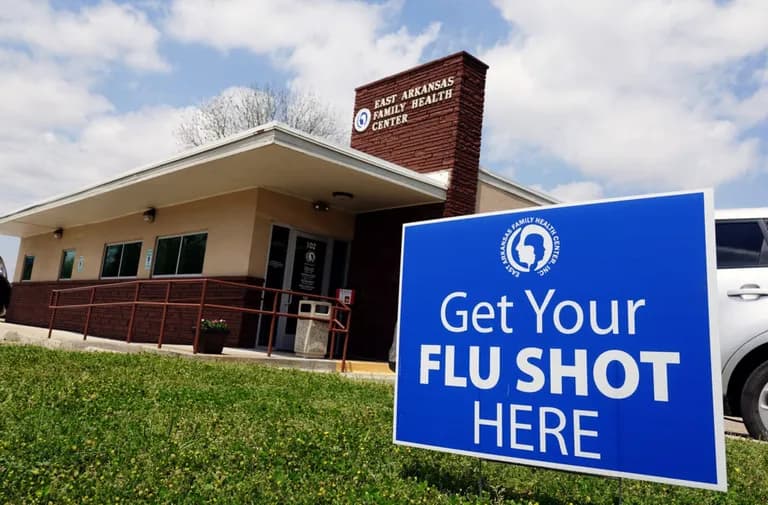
(584, 100)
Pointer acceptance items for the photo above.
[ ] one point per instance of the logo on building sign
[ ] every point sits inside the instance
(530, 245)
(362, 120)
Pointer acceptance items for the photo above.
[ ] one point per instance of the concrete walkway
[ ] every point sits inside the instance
(735, 426)
(31, 335)
(66, 340)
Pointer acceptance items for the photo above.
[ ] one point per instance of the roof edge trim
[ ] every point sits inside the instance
(516, 189)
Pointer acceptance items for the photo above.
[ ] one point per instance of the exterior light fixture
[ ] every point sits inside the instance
(58, 233)
(149, 215)
(342, 196)
(320, 206)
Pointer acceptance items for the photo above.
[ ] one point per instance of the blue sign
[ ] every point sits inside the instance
(573, 337)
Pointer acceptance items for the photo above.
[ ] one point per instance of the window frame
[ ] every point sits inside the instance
(61, 263)
(762, 225)
(178, 256)
(120, 265)
(23, 268)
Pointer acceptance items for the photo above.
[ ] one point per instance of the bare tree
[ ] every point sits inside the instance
(240, 108)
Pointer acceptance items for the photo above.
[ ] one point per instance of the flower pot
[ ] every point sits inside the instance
(212, 341)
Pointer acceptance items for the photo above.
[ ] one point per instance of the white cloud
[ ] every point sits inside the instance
(37, 93)
(330, 46)
(632, 94)
(575, 191)
(105, 32)
(57, 132)
(38, 164)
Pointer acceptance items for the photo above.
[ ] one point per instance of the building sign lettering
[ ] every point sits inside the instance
(392, 110)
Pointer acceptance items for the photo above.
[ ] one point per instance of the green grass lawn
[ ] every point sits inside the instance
(110, 428)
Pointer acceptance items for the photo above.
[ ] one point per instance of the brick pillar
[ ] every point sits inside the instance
(428, 119)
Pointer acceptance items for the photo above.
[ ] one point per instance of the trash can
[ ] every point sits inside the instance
(312, 336)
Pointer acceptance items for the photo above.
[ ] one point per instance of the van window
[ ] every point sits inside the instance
(739, 244)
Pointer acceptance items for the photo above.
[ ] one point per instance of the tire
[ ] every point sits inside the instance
(393, 353)
(754, 402)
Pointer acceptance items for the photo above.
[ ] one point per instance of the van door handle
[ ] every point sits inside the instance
(748, 292)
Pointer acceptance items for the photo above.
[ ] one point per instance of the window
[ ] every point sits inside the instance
(180, 255)
(67, 264)
(121, 260)
(739, 244)
(26, 271)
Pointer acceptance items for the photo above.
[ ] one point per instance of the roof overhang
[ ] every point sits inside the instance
(272, 156)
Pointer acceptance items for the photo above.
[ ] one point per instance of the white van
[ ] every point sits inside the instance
(742, 288)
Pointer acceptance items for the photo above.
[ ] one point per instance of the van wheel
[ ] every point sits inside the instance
(754, 402)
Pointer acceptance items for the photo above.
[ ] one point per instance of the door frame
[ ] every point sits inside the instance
(290, 260)
(293, 233)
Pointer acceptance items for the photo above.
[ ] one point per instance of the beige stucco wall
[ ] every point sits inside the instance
(228, 219)
(491, 198)
(238, 226)
(262, 228)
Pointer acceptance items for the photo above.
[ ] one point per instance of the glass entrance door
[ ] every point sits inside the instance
(308, 271)
(304, 263)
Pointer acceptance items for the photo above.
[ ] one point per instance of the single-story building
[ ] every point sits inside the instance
(271, 206)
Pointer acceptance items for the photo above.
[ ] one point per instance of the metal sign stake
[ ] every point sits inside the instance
(479, 477)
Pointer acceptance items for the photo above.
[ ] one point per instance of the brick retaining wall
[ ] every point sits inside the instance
(29, 305)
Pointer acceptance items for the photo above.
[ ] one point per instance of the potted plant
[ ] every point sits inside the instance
(213, 332)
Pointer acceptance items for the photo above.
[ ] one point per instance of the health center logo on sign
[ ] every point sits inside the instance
(362, 120)
(530, 245)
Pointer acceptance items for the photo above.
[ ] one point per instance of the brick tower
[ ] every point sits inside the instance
(428, 119)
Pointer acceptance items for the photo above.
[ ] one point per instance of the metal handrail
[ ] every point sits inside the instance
(200, 280)
(336, 326)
